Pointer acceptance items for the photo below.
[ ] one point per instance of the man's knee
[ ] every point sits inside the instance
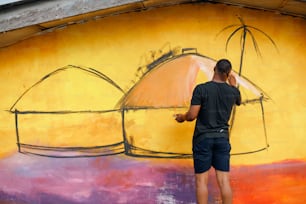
(223, 179)
(202, 178)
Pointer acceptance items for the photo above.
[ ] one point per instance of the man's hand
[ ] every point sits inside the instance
(180, 117)
(232, 80)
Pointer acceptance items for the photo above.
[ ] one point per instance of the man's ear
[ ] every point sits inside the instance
(228, 73)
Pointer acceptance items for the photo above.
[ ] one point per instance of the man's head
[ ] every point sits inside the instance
(223, 67)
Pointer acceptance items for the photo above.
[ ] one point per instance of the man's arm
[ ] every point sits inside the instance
(190, 115)
(238, 101)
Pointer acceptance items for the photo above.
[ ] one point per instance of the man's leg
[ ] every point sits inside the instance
(225, 186)
(201, 180)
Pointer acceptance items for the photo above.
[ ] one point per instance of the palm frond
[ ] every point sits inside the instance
(230, 37)
(255, 43)
(265, 34)
(241, 20)
(226, 28)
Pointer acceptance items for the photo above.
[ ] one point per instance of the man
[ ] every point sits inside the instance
(211, 105)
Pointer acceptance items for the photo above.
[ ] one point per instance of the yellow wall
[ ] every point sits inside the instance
(118, 45)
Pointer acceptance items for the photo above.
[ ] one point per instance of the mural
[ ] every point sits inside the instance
(86, 122)
(165, 72)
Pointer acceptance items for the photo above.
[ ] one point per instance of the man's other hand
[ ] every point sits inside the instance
(179, 117)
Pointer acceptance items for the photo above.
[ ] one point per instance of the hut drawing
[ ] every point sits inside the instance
(73, 121)
(164, 89)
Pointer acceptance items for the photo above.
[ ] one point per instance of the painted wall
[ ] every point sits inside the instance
(96, 102)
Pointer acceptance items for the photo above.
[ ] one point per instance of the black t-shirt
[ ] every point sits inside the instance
(216, 100)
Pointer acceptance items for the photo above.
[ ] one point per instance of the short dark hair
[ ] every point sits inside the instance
(224, 66)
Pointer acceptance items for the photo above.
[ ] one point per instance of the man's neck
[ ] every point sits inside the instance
(219, 79)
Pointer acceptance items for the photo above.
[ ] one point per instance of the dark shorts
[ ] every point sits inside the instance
(209, 152)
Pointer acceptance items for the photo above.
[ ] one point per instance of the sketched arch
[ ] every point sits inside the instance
(66, 152)
(126, 103)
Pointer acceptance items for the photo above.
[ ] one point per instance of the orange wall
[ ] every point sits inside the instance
(116, 46)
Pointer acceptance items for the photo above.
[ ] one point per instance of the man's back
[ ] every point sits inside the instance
(216, 100)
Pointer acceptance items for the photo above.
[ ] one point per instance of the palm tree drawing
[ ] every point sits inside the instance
(248, 30)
